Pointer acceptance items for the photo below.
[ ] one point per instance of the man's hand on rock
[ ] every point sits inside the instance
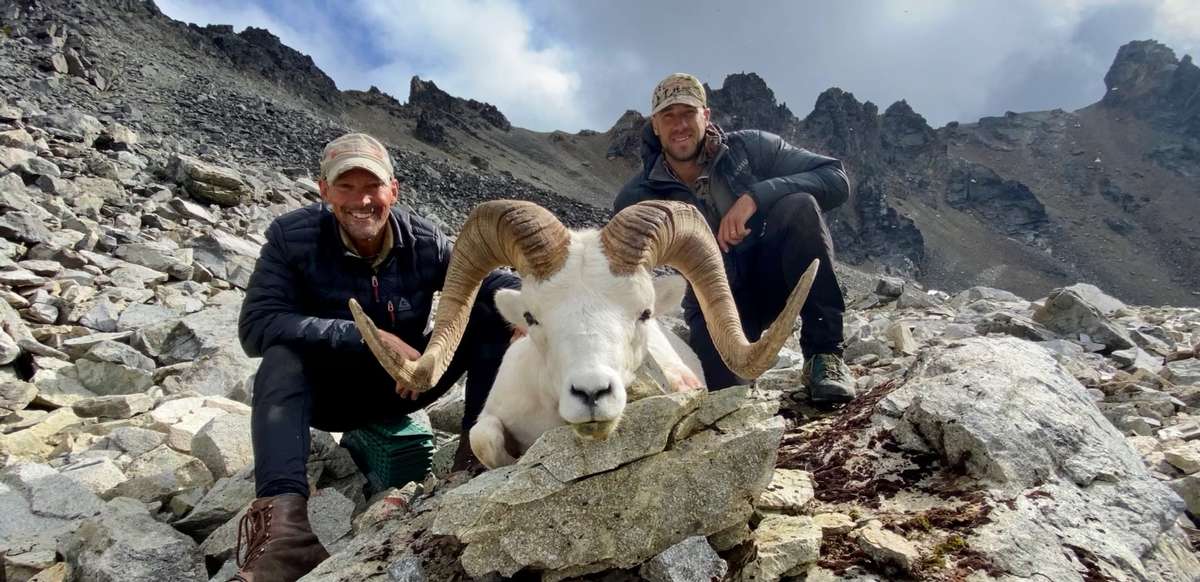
(733, 225)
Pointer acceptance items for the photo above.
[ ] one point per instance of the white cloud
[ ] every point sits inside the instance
(301, 28)
(1180, 22)
(482, 49)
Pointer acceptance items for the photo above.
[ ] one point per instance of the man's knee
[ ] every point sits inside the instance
(280, 372)
(799, 209)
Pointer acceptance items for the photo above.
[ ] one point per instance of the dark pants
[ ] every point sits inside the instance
(297, 388)
(763, 270)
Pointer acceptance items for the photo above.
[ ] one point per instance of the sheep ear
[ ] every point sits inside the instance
(512, 308)
(668, 292)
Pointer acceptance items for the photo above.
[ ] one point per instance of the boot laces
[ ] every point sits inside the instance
(253, 528)
(832, 369)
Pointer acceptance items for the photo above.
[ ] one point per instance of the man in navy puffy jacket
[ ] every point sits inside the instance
(315, 370)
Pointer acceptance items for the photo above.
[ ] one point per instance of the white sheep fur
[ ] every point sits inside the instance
(588, 335)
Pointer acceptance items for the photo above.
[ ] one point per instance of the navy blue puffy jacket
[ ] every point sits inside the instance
(304, 277)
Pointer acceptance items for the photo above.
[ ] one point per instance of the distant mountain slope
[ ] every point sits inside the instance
(1024, 201)
(263, 101)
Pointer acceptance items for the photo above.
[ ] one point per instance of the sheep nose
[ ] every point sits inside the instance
(590, 394)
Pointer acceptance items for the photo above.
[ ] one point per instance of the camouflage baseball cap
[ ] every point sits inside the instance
(678, 88)
(356, 150)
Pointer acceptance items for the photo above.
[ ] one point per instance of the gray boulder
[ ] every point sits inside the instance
(73, 122)
(701, 480)
(330, 513)
(106, 190)
(1006, 411)
(224, 445)
(143, 315)
(161, 473)
(113, 352)
(103, 314)
(9, 350)
(447, 413)
(224, 373)
(51, 494)
(136, 441)
(209, 182)
(15, 395)
(108, 379)
(985, 294)
(24, 227)
(692, 560)
(782, 542)
(1069, 313)
(1105, 303)
(126, 544)
(160, 256)
(200, 334)
(98, 474)
(34, 167)
(225, 256)
(29, 534)
(1183, 371)
(229, 496)
(1012, 418)
(120, 406)
(191, 211)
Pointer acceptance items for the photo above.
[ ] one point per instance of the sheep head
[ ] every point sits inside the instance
(590, 329)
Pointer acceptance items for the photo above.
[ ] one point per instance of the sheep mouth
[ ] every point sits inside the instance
(596, 430)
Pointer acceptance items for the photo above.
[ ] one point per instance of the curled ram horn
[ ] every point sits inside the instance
(500, 232)
(650, 234)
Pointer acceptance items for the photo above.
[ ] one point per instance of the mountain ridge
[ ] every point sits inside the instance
(1015, 201)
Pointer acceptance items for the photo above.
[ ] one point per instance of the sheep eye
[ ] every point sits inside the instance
(529, 320)
(645, 316)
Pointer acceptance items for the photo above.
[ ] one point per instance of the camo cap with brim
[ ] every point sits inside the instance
(355, 150)
(678, 88)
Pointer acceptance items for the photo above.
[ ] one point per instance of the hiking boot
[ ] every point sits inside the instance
(280, 545)
(828, 380)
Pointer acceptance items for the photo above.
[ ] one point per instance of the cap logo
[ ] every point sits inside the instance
(355, 150)
(678, 88)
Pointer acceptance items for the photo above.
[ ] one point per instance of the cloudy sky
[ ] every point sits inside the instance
(549, 64)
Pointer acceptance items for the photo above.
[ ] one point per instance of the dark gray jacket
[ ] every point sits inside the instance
(753, 161)
(305, 276)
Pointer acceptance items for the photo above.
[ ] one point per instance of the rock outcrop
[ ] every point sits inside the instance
(1148, 79)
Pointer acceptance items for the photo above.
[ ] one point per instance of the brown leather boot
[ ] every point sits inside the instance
(280, 545)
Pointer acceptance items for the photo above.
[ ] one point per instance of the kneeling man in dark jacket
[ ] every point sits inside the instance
(763, 199)
(316, 371)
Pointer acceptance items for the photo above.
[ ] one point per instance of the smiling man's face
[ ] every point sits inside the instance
(680, 130)
(361, 202)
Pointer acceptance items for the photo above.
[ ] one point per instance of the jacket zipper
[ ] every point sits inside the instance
(392, 314)
(375, 287)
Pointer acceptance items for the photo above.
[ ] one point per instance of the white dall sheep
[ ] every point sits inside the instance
(587, 304)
